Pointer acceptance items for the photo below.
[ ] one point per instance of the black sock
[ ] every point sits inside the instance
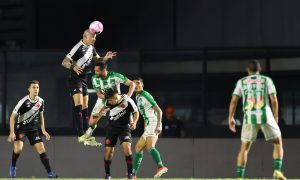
(129, 164)
(14, 159)
(77, 114)
(85, 118)
(107, 164)
(45, 162)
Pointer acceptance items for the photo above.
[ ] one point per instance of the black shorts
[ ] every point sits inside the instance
(33, 136)
(112, 136)
(78, 86)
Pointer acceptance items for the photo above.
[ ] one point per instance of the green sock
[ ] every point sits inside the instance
(137, 162)
(278, 164)
(156, 157)
(240, 171)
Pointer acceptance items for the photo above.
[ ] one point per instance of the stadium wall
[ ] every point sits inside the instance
(185, 158)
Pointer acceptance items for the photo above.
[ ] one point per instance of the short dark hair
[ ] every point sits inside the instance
(254, 66)
(139, 79)
(102, 65)
(110, 93)
(33, 82)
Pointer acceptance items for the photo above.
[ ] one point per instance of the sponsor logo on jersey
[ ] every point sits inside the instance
(126, 138)
(118, 116)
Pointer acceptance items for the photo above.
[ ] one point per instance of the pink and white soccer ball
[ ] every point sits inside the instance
(96, 27)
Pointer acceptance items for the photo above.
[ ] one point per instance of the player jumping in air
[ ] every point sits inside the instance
(78, 61)
(103, 80)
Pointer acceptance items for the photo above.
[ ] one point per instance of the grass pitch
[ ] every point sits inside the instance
(138, 179)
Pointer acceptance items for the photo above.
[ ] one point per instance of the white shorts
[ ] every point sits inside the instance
(98, 106)
(270, 130)
(150, 131)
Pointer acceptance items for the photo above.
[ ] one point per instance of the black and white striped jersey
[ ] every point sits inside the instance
(82, 55)
(28, 113)
(120, 114)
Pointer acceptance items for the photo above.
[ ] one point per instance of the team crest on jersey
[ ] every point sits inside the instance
(122, 106)
(38, 105)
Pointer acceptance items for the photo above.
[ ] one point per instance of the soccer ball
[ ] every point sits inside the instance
(96, 27)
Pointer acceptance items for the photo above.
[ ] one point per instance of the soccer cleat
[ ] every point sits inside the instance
(12, 171)
(130, 176)
(278, 175)
(92, 143)
(160, 171)
(107, 176)
(84, 138)
(52, 175)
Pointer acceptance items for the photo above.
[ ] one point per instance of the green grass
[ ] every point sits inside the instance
(138, 179)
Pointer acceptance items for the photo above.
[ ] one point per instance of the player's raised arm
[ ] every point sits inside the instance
(109, 55)
(12, 135)
(131, 85)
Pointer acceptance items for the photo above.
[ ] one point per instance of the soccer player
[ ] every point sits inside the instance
(29, 111)
(123, 115)
(78, 62)
(103, 80)
(257, 92)
(152, 115)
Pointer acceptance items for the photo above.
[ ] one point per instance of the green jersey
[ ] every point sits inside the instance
(255, 91)
(113, 80)
(145, 103)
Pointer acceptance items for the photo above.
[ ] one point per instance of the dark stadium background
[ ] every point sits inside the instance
(189, 52)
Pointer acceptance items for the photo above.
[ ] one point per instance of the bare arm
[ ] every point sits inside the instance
(12, 120)
(159, 117)
(109, 55)
(232, 109)
(275, 106)
(100, 95)
(42, 124)
(68, 64)
(131, 85)
(135, 118)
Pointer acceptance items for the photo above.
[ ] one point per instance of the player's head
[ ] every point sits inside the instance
(88, 37)
(112, 96)
(100, 69)
(253, 67)
(33, 87)
(139, 84)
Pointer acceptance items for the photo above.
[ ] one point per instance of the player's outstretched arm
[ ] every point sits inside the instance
(159, 117)
(232, 109)
(12, 135)
(131, 85)
(42, 123)
(109, 55)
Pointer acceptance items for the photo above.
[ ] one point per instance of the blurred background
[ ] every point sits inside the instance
(190, 54)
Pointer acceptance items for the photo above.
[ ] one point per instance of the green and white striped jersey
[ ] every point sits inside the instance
(145, 102)
(255, 91)
(113, 80)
